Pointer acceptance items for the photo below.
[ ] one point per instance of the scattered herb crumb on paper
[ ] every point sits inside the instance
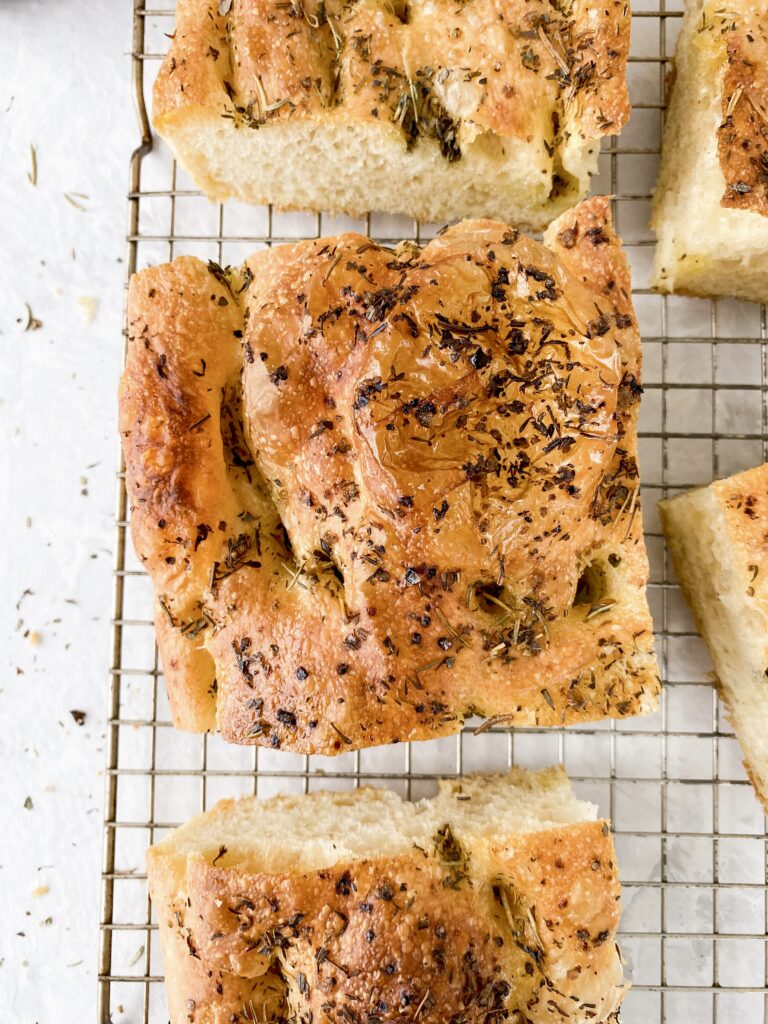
(32, 174)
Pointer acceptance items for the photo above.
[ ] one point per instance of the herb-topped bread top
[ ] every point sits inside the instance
(523, 90)
(742, 138)
(427, 67)
(378, 490)
(435, 421)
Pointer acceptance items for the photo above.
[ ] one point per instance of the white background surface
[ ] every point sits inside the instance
(64, 87)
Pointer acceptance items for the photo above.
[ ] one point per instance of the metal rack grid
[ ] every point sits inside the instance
(690, 835)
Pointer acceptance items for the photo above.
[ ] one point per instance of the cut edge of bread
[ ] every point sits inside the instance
(319, 164)
(289, 833)
(709, 561)
(703, 248)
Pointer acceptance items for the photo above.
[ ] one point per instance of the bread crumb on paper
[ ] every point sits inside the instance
(89, 307)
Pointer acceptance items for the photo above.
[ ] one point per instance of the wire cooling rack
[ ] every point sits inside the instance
(690, 835)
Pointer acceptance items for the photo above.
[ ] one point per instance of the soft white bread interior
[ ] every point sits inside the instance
(711, 201)
(431, 108)
(306, 833)
(718, 536)
(499, 897)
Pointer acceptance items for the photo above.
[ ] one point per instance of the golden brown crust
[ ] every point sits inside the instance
(517, 927)
(513, 69)
(743, 499)
(371, 484)
(173, 438)
(189, 673)
(743, 135)
(759, 784)
(194, 70)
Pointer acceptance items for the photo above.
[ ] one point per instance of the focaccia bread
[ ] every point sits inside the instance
(710, 208)
(432, 108)
(718, 536)
(496, 901)
(380, 491)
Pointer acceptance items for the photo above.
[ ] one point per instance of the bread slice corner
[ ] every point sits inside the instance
(710, 205)
(718, 537)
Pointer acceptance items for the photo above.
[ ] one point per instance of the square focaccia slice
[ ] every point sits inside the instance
(718, 536)
(710, 208)
(380, 491)
(498, 900)
(432, 108)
